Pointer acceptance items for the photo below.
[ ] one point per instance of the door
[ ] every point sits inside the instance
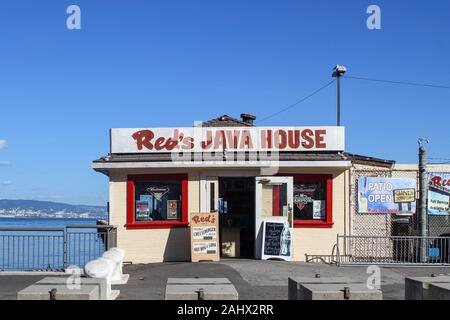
(237, 216)
(274, 202)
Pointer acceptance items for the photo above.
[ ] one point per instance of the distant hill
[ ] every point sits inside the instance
(48, 207)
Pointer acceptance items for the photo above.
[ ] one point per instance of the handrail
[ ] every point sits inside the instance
(393, 250)
(96, 226)
(396, 237)
(53, 249)
(31, 229)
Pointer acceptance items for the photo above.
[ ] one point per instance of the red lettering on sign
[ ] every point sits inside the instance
(266, 139)
(143, 139)
(439, 182)
(233, 138)
(320, 144)
(208, 143)
(246, 140)
(307, 135)
(294, 139)
(188, 143)
(220, 142)
(280, 139)
(210, 219)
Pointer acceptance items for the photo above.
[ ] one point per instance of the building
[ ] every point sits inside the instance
(159, 176)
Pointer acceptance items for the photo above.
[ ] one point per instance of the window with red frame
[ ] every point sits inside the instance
(313, 200)
(157, 201)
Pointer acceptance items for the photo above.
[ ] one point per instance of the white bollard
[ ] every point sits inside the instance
(116, 255)
(102, 268)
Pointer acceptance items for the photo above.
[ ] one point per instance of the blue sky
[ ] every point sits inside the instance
(168, 63)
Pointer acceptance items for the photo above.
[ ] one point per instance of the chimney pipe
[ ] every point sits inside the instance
(248, 118)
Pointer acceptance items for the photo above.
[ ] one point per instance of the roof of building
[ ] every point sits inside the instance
(226, 121)
(366, 160)
(283, 156)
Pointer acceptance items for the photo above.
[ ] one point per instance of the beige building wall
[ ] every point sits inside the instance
(149, 245)
(157, 245)
(320, 241)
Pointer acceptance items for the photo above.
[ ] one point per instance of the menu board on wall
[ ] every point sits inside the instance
(277, 242)
(204, 230)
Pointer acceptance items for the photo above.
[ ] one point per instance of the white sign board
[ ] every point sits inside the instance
(198, 139)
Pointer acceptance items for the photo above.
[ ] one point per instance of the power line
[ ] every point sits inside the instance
(296, 103)
(440, 160)
(400, 82)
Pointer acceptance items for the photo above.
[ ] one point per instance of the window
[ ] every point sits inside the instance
(157, 201)
(313, 201)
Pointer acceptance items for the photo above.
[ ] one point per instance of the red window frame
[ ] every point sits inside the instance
(133, 224)
(328, 222)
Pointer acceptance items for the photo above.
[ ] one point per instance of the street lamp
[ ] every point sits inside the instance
(338, 71)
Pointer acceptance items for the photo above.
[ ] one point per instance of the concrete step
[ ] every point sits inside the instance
(101, 283)
(42, 292)
(357, 291)
(198, 281)
(210, 292)
(417, 288)
(295, 283)
(439, 291)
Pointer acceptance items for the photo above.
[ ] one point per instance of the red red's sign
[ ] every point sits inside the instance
(440, 182)
(204, 219)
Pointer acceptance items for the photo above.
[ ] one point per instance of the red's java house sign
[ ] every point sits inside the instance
(166, 140)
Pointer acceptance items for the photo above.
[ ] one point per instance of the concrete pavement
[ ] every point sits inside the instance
(253, 279)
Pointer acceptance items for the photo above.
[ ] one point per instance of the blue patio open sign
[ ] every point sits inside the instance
(386, 195)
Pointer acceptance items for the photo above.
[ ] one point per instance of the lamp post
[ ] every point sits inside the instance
(338, 71)
(423, 193)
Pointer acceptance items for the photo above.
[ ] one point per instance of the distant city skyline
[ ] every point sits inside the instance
(169, 63)
(47, 209)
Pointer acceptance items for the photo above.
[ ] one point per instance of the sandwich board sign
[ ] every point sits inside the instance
(204, 232)
(277, 243)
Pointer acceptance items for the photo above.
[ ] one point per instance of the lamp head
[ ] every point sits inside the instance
(338, 71)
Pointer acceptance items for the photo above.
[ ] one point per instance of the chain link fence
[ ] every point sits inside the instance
(380, 224)
(392, 237)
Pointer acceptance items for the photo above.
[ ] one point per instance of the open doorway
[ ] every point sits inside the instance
(237, 217)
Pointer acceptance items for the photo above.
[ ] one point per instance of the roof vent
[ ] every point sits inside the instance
(248, 118)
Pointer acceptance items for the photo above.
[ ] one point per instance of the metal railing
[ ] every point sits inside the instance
(53, 249)
(398, 250)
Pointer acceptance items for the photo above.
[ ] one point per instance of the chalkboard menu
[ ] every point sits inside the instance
(272, 238)
(277, 242)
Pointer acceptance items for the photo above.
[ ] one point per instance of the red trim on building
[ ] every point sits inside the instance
(328, 179)
(133, 224)
(276, 201)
